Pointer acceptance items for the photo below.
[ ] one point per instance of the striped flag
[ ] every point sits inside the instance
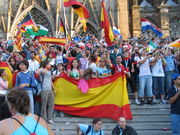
(18, 40)
(26, 21)
(109, 36)
(107, 97)
(41, 30)
(79, 9)
(61, 27)
(146, 24)
(52, 40)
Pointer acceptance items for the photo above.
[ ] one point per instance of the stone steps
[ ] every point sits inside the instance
(147, 120)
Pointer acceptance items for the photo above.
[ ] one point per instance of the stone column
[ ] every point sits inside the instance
(123, 19)
(136, 19)
(164, 19)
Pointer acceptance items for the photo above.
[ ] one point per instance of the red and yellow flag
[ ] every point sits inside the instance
(18, 40)
(52, 40)
(107, 97)
(109, 36)
(79, 9)
(5, 66)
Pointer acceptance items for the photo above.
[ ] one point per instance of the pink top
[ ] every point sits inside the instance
(3, 84)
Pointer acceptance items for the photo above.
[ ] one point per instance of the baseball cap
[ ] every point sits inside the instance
(175, 76)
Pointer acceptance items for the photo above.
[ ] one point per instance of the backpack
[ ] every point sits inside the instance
(88, 130)
(38, 88)
(34, 132)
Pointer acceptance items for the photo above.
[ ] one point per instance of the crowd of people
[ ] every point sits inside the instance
(148, 69)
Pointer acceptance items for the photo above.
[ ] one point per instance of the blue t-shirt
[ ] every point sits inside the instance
(84, 128)
(170, 66)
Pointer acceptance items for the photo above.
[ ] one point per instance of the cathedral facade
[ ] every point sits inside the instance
(124, 14)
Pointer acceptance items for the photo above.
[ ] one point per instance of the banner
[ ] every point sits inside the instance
(106, 98)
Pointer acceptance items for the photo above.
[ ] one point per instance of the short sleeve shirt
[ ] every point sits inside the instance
(84, 128)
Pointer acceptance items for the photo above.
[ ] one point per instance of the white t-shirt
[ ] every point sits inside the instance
(33, 65)
(144, 69)
(93, 67)
(157, 69)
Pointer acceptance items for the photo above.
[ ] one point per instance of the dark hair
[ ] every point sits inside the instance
(19, 99)
(25, 62)
(77, 62)
(11, 59)
(33, 52)
(96, 120)
(93, 58)
(59, 48)
(44, 63)
(73, 53)
(1, 72)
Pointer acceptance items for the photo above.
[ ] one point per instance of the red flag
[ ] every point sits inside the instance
(79, 9)
(109, 36)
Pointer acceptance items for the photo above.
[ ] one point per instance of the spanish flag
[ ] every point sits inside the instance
(109, 36)
(79, 9)
(106, 98)
(18, 40)
(175, 43)
(52, 40)
(5, 66)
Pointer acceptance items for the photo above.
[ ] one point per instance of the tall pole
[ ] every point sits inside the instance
(57, 16)
(9, 18)
(65, 25)
(72, 21)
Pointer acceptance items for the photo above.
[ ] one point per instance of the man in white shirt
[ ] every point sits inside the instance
(33, 63)
(145, 77)
(158, 77)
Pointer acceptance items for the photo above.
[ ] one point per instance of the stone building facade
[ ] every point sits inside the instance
(124, 14)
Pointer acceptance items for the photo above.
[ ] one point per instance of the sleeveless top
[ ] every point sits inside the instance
(30, 124)
(74, 74)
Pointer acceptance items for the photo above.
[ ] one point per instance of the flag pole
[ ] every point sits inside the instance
(65, 25)
(33, 21)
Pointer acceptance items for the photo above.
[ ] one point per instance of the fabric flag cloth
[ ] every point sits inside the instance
(26, 21)
(175, 43)
(5, 66)
(83, 21)
(18, 40)
(109, 36)
(106, 98)
(117, 32)
(146, 24)
(152, 46)
(41, 30)
(52, 40)
(61, 27)
(79, 9)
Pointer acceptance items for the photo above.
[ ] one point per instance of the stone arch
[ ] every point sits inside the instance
(94, 28)
(18, 19)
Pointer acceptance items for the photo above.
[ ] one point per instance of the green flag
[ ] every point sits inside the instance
(41, 31)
